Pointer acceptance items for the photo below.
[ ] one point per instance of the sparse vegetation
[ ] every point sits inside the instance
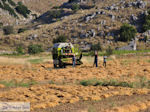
(20, 50)
(54, 13)
(91, 109)
(11, 11)
(36, 61)
(34, 49)
(95, 82)
(117, 52)
(127, 33)
(22, 9)
(141, 83)
(146, 25)
(12, 2)
(96, 47)
(14, 83)
(75, 7)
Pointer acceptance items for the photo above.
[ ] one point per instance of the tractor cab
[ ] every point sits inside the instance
(63, 52)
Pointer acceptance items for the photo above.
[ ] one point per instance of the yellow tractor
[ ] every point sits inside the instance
(62, 54)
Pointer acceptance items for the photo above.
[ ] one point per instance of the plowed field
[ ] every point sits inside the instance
(59, 90)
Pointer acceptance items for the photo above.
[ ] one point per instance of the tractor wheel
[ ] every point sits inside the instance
(60, 64)
(55, 66)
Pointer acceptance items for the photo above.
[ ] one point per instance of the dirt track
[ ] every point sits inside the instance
(66, 89)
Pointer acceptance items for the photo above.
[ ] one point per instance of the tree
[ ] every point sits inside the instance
(60, 38)
(22, 9)
(20, 50)
(34, 49)
(146, 25)
(54, 13)
(96, 47)
(75, 7)
(127, 32)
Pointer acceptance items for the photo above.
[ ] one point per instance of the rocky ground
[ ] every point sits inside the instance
(59, 90)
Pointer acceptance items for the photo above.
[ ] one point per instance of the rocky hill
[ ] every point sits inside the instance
(83, 22)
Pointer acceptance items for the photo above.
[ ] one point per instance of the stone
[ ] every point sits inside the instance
(87, 19)
(93, 15)
(147, 33)
(112, 17)
(131, 46)
(122, 7)
(93, 33)
(129, 4)
(103, 12)
(32, 37)
(141, 4)
(103, 22)
(134, 18)
(101, 33)
(116, 8)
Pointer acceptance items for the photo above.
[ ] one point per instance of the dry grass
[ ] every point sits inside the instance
(71, 25)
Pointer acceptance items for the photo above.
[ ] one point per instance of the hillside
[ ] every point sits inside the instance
(94, 22)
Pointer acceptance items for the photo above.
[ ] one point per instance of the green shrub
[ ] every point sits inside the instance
(96, 47)
(1, 6)
(8, 30)
(36, 61)
(89, 82)
(3, 1)
(56, 7)
(60, 38)
(75, 7)
(12, 2)
(22, 9)
(54, 13)
(146, 25)
(19, 50)
(95, 82)
(127, 32)
(9, 9)
(14, 83)
(34, 49)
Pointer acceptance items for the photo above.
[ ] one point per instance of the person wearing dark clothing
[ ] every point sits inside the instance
(104, 61)
(74, 60)
(96, 59)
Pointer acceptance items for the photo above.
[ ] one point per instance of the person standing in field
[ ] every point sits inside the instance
(74, 60)
(104, 61)
(96, 59)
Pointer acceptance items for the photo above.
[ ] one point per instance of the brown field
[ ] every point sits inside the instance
(59, 90)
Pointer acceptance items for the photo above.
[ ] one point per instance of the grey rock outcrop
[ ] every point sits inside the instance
(131, 46)
(90, 33)
(134, 18)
